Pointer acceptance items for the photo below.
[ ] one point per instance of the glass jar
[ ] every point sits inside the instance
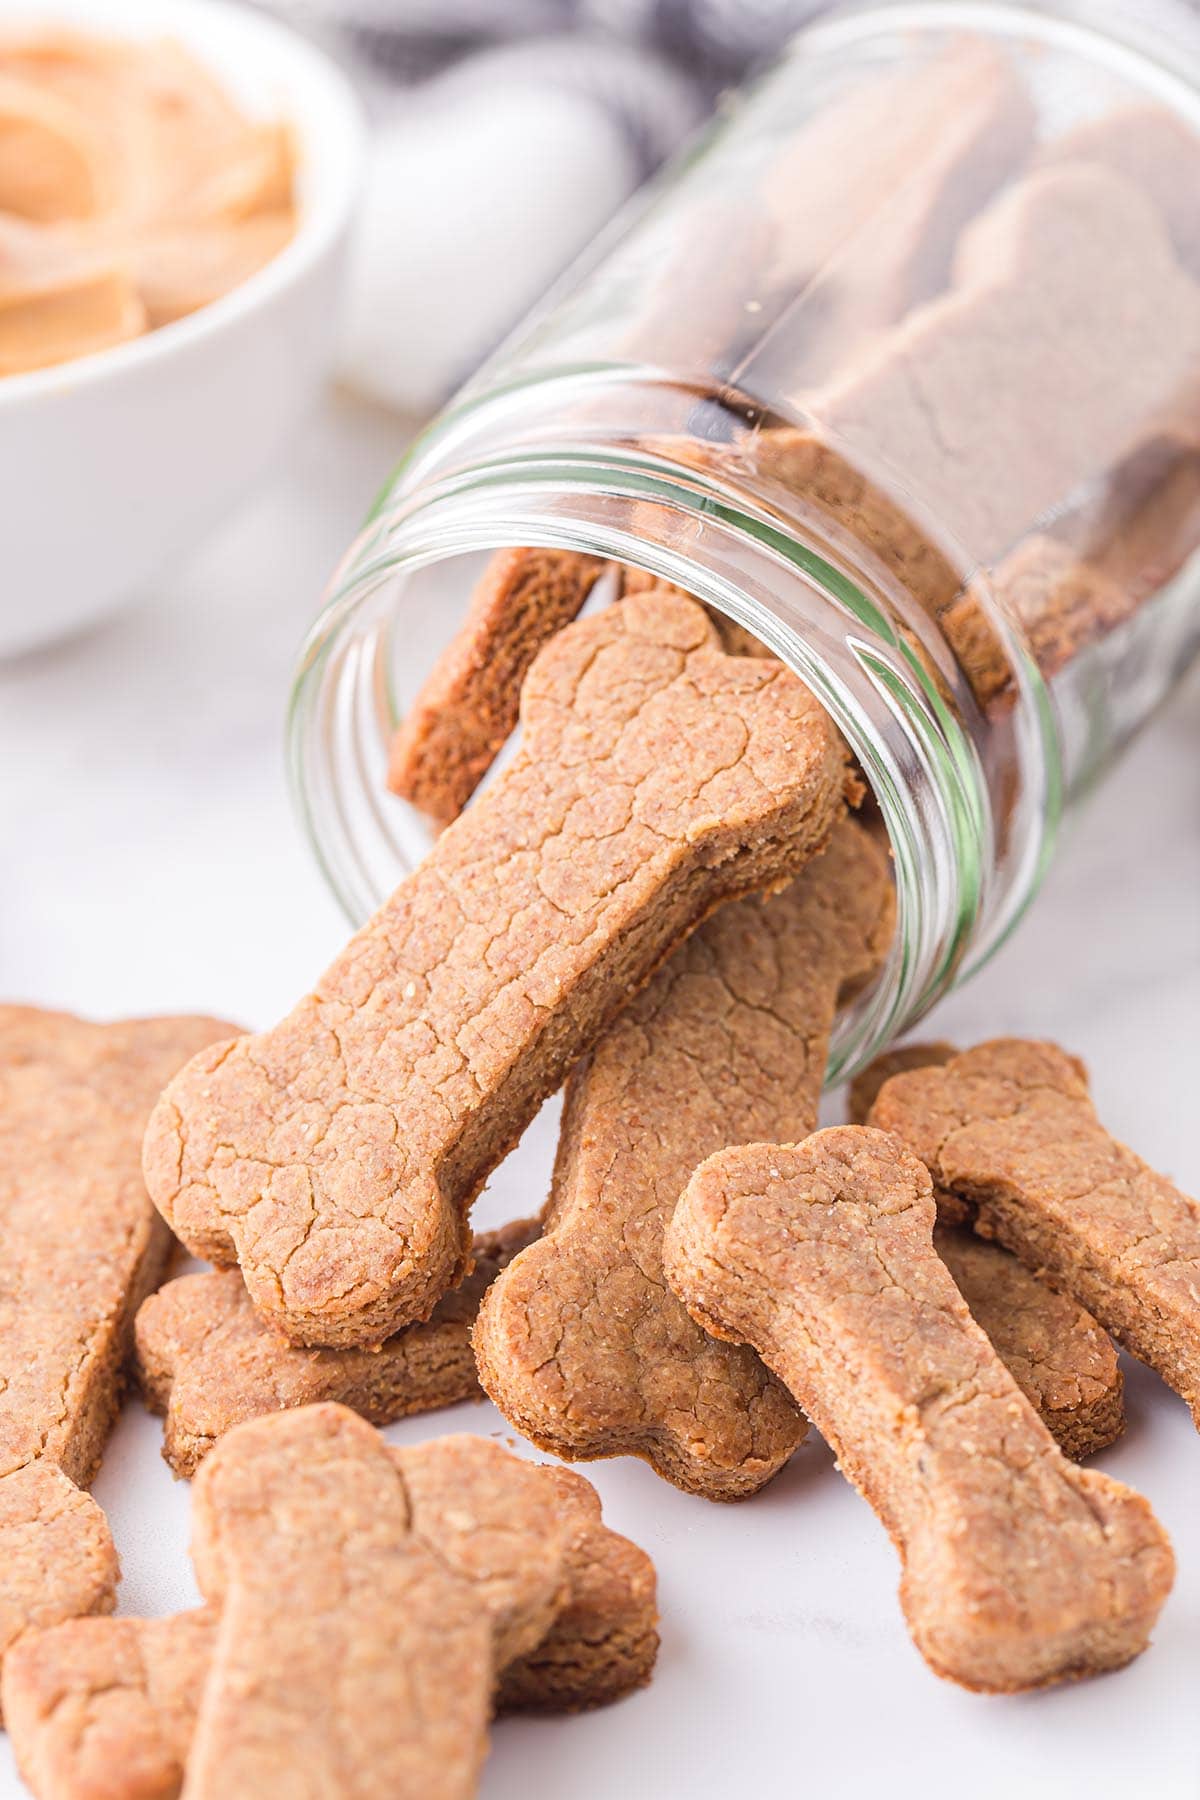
(899, 369)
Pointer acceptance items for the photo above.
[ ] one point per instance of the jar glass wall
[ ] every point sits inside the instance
(900, 369)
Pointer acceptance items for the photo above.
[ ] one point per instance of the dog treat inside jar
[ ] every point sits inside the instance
(899, 373)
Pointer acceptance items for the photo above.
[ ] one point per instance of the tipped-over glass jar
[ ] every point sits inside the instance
(899, 369)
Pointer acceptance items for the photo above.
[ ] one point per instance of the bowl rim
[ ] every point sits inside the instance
(331, 129)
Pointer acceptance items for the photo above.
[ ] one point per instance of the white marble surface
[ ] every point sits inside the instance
(150, 862)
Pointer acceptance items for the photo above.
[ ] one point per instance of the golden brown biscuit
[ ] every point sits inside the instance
(467, 707)
(108, 1707)
(1019, 1568)
(1061, 1359)
(83, 1246)
(104, 1709)
(1010, 1130)
(603, 1643)
(868, 1081)
(335, 1157)
(352, 1657)
(580, 1343)
(1092, 239)
(57, 1559)
(208, 1362)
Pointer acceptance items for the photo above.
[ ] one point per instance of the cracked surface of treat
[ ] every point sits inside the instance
(581, 1343)
(57, 1559)
(105, 1709)
(1020, 1569)
(83, 1243)
(467, 707)
(207, 1361)
(1010, 1129)
(353, 1657)
(1061, 1359)
(335, 1157)
(736, 640)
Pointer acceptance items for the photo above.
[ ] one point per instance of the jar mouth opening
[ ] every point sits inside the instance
(795, 594)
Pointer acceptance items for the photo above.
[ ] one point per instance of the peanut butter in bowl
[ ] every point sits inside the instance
(133, 191)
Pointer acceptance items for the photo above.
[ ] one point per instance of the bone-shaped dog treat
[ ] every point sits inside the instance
(580, 1343)
(1070, 270)
(800, 271)
(353, 1657)
(1009, 1129)
(108, 1706)
(604, 1641)
(1059, 603)
(113, 1708)
(907, 158)
(1019, 1568)
(867, 1083)
(1064, 597)
(208, 1362)
(57, 1559)
(82, 1246)
(735, 639)
(1061, 1359)
(335, 1157)
(467, 707)
(104, 1709)
(1154, 148)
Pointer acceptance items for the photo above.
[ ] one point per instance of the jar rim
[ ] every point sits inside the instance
(918, 759)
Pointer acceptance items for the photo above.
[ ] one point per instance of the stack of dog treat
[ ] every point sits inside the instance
(662, 900)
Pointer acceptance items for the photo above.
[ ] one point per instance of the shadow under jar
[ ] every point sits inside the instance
(898, 368)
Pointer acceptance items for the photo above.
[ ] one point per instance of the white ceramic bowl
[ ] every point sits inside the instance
(113, 463)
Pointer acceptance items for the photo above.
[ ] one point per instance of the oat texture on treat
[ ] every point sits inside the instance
(109, 1706)
(1009, 1130)
(467, 707)
(335, 1157)
(1020, 1569)
(207, 1361)
(83, 1246)
(581, 1343)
